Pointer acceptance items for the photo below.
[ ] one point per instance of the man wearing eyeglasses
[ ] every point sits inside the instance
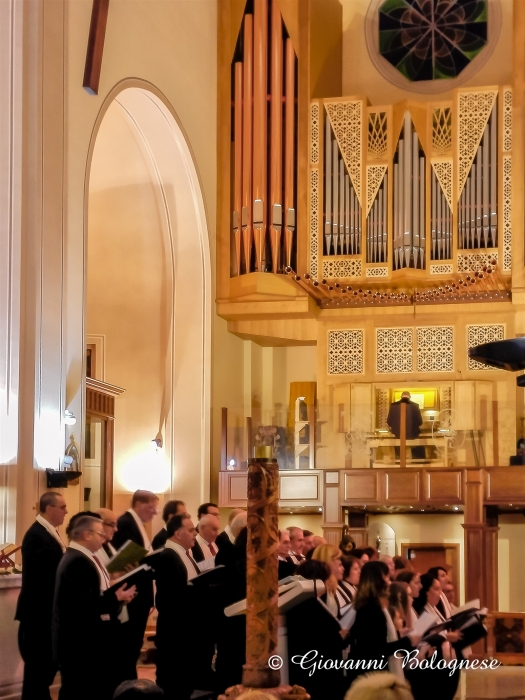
(83, 618)
(42, 550)
(109, 523)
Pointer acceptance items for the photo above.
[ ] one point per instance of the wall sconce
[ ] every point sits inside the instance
(156, 443)
(69, 417)
(231, 465)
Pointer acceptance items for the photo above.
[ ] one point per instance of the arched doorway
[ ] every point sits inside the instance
(148, 297)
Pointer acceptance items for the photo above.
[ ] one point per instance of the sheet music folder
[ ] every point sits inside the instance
(211, 577)
(133, 578)
(292, 591)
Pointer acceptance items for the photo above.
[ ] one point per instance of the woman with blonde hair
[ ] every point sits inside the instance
(379, 686)
(335, 597)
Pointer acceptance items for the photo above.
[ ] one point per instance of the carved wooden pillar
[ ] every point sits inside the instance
(332, 511)
(262, 566)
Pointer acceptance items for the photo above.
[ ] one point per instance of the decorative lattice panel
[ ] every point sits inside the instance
(473, 262)
(394, 350)
(377, 135)
(442, 269)
(314, 222)
(480, 334)
(383, 406)
(442, 130)
(435, 349)
(377, 271)
(314, 133)
(443, 170)
(346, 354)
(474, 110)
(507, 213)
(507, 119)
(347, 124)
(337, 269)
(374, 178)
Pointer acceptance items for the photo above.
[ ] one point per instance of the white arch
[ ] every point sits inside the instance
(186, 242)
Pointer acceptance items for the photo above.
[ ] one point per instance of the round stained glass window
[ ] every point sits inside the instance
(432, 39)
(431, 45)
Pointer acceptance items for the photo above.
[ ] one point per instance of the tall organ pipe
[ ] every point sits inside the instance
(407, 190)
(260, 104)
(276, 152)
(289, 152)
(328, 185)
(237, 185)
(416, 247)
(247, 141)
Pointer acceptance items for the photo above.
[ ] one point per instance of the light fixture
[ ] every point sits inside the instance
(320, 510)
(69, 417)
(156, 443)
(456, 508)
(231, 462)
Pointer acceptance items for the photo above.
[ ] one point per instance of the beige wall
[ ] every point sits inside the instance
(427, 529)
(361, 77)
(127, 296)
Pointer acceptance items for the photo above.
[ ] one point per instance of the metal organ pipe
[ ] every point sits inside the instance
(247, 142)
(264, 160)
(276, 124)
(289, 118)
(237, 184)
(328, 186)
(260, 104)
(477, 209)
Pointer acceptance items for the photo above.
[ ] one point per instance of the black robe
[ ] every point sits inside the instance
(85, 623)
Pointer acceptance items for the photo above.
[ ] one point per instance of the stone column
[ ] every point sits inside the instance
(262, 578)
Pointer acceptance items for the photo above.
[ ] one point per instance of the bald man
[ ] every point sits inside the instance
(109, 523)
(205, 547)
(226, 538)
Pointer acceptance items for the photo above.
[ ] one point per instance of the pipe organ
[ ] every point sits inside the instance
(477, 208)
(410, 190)
(342, 217)
(264, 130)
(409, 199)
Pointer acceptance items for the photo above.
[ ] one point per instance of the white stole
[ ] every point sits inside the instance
(395, 666)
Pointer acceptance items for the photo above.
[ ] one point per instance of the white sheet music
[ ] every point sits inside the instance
(424, 621)
(206, 565)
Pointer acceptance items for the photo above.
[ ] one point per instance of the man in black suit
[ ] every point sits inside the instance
(176, 604)
(84, 620)
(286, 563)
(413, 414)
(205, 546)
(208, 509)
(42, 550)
(226, 539)
(170, 509)
(131, 527)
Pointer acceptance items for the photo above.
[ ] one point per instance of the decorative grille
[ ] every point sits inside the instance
(347, 123)
(346, 352)
(480, 334)
(435, 349)
(341, 269)
(394, 350)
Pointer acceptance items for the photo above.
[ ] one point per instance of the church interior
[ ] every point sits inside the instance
(241, 230)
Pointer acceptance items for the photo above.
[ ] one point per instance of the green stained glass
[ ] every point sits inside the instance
(432, 39)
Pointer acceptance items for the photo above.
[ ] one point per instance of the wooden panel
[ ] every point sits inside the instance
(99, 403)
(299, 487)
(401, 487)
(505, 485)
(506, 637)
(332, 508)
(360, 487)
(443, 486)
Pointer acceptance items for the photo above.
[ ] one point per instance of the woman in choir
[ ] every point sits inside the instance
(399, 597)
(373, 637)
(434, 684)
(362, 555)
(413, 579)
(335, 598)
(351, 574)
(311, 628)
